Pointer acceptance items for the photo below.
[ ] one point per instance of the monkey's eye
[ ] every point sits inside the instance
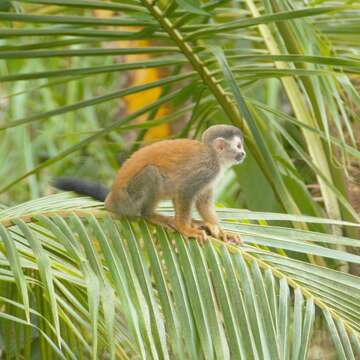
(239, 146)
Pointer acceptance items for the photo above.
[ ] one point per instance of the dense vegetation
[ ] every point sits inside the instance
(84, 83)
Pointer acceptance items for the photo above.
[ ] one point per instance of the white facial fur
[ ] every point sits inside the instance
(238, 145)
(232, 152)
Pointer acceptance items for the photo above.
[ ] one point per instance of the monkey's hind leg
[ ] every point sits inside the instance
(145, 188)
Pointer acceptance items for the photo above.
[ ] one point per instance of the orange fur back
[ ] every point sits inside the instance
(170, 156)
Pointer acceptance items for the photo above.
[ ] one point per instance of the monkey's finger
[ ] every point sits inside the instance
(194, 233)
(234, 238)
(224, 236)
(213, 229)
(202, 237)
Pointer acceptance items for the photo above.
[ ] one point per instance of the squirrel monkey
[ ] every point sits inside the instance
(183, 170)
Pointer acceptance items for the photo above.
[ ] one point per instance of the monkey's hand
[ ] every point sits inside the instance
(230, 237)
(217, 232)
(213, 229)
(199, 235)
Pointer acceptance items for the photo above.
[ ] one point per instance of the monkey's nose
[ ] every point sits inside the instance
(240, 156)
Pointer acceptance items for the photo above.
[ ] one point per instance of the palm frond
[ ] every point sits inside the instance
(126, 288)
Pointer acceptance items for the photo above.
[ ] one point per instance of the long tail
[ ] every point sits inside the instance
(82, 187)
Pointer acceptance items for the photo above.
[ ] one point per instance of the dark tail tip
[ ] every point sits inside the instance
(82, 187)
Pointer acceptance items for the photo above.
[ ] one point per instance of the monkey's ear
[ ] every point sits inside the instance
(219, 144)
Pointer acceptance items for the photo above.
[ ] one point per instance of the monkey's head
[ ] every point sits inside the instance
(228, 142)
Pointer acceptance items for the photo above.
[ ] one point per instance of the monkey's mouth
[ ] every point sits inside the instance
(239, 158)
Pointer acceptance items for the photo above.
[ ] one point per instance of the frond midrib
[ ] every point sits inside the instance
(100, 214)
(197, 64)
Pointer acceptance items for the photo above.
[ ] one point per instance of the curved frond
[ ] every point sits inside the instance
(120, 287)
